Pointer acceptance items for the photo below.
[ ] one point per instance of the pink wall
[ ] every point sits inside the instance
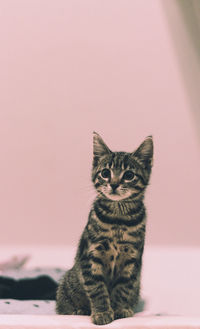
(71, 67)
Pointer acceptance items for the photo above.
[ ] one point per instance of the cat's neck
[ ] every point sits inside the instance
(123, 207)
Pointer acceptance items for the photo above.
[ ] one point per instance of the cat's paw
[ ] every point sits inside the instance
(123, 313)
(103, 317)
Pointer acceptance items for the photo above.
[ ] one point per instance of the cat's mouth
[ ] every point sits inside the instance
(114, 195)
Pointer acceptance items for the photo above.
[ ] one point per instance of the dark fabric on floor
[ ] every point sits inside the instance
(30, 284)
(39, 288)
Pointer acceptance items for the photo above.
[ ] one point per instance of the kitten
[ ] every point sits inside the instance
(105, 278)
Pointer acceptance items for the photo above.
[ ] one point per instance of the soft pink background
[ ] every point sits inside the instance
(68, 68)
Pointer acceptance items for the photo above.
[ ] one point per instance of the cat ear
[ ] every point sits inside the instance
(99, 147)
(145, 152)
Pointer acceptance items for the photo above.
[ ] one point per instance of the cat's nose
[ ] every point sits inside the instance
(114, 186)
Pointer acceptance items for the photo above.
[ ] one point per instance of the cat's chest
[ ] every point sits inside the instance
(119, 249)
(118, 233)
(113, 250)
(120, 244)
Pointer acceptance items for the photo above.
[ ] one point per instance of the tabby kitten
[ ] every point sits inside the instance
(105, 278)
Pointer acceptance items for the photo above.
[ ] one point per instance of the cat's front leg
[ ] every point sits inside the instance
(124, 296)
(97, 292)
(121, 302)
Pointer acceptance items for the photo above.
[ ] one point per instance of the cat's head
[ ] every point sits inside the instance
(121, 175)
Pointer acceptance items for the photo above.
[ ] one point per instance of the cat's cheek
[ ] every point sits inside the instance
(105, 191)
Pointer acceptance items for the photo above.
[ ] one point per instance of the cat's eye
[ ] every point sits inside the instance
(128, 175)
(105, 173)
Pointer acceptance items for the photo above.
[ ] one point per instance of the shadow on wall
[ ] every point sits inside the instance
(190, 13)
(183, 18)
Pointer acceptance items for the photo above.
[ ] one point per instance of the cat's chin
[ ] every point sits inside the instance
(116, 197)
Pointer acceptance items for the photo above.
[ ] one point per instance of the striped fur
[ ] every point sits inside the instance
(105, 278)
